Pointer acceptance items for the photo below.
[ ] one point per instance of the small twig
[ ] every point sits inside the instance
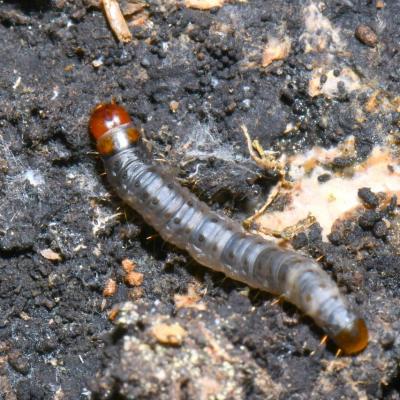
(290, 231)
(271, 197)
(116, 20)
(266, 161)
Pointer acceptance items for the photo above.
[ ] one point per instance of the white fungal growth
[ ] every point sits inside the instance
(203, 144)
(102, 220)
(320, 34)
(336, 84)
(34, 177)
(337, 198)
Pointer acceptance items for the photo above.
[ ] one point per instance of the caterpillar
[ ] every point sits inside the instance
(215, 240)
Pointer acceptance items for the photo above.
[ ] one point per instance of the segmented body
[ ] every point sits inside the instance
(222, 244)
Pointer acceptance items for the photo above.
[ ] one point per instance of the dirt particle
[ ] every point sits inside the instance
(172, 335)
(133, 278)
(371, 105)
(46, 345)
(300, 241)
(24, 316)
(380, 229)
(342, 162)
(134, 7)
(276, 49)
(128, 265)
(97, 63)
(51, 255)
(113, 313)
(136, 293)
(369, 198)
(368, 219)
(324, 178)
(190, 300)
(387, 340)
(110, 288)
(173, 106)
(366, 35)
(204, 4)
(18, 362)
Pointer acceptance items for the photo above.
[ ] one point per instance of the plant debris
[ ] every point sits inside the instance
(116, 20)
(172, 335)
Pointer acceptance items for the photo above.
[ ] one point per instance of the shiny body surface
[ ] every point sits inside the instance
(222, 244)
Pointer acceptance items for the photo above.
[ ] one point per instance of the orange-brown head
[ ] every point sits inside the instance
(105, 117)
(353, 339)
(109, 116)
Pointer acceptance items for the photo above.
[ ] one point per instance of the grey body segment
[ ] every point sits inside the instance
(221, 243)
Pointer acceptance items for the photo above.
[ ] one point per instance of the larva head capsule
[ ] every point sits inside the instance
(105, 117)
(354, 338)
(111, 127)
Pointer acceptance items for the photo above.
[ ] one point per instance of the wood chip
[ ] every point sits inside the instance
(372, 103)
(276, 49)
(117, 21)
(172, 335)
(113, 313)
(128, 265)
(133, 278)
(51, 255)
(97, 63)
(130, 8)
(110, 288)
(173, 105)
(189, 300)
(204, 4)
(135, 13)
(87, 3)
(23, 315)
(366, 35)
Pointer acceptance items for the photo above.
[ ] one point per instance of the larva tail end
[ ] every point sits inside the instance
(105, 117)
(353, 339)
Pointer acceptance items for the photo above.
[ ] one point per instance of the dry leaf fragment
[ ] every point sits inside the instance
(117, 21)
(276, 49)
(204, 4)
(51, 255)
(169, 334)
(130, 8)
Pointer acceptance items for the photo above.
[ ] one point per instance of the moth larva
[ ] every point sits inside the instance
(215, 240)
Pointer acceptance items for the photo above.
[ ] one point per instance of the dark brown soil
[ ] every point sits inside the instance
(56, 341)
